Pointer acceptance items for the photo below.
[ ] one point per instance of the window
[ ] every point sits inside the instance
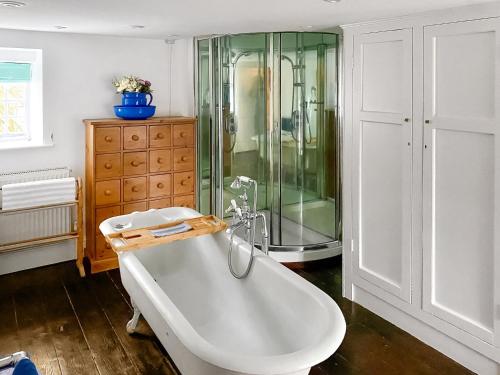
(21, 120)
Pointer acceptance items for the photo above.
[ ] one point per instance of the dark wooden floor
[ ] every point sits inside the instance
(77, 326)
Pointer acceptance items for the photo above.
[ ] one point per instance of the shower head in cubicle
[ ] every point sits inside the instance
(239, 182)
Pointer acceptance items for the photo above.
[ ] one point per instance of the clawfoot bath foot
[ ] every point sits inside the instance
(132, 323)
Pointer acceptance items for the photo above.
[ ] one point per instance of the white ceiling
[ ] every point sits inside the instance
(162, 18)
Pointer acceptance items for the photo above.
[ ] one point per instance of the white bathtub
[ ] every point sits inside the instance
(272, 322)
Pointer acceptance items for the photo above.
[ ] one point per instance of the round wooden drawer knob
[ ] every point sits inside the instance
(160, 136)
(135, 189)
(160, 185)
(107, 193)
(184, 158)
(182, 134)
(108, 138)
(159, 160)
(108, 166)
(135, 137)
(184, 182)
(135, 163)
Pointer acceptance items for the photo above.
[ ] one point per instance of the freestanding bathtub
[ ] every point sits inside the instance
(210, 323)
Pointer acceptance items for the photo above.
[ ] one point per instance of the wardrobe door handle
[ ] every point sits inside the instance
(427, 121)
(407, 119)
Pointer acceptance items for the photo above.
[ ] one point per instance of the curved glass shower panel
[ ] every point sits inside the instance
(244, 136)
(308, 138)
(273, 109)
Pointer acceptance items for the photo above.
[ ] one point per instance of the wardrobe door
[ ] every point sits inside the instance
(461, 174)
(382, 113)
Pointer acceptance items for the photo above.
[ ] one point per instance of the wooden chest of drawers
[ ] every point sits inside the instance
(135, 166)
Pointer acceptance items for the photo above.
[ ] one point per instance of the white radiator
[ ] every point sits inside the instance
(22, 226)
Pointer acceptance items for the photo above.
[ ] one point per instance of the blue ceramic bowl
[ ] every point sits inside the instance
(135, 112)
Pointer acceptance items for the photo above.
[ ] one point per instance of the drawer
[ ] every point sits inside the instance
(183, 135)
(103, 249)
(160, 203)
(132, 207)
(108, 165)
(160, 161)
(107, 192)
(134, 137)
(184, 159)
(183, 183)
(134, 163)
(160, 136)
(107, 139)
(160, 185)
(134, 189)
(184, 201)
(104, 213)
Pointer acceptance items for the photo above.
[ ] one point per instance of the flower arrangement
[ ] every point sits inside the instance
(131, 84)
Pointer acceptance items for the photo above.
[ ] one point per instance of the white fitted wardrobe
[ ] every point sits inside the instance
(422, 177)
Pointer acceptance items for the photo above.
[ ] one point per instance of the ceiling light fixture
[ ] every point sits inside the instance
(59, 27)
(331, 1)
(12, 4)
(137, 26)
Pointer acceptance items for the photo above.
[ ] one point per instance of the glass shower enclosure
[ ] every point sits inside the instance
(267, 108)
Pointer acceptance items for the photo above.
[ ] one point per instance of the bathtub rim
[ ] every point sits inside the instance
(328, 342)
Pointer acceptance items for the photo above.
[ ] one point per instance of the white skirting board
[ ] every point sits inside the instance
(38, 256)
(462, 354)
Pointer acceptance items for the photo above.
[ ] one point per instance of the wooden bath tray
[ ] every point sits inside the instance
(135, 239)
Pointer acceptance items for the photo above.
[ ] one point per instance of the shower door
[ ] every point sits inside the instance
(307, 138)
(241, 106)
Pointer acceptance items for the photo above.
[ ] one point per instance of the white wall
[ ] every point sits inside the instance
(77, 73)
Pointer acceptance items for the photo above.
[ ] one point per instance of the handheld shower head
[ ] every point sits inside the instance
(236, 184)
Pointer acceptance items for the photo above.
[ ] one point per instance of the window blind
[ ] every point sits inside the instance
(15, 72)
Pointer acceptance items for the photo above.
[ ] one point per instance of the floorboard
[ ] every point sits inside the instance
(69, 342)
(109, 355)
(33, 330)
(143, 347)
(76, 326)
